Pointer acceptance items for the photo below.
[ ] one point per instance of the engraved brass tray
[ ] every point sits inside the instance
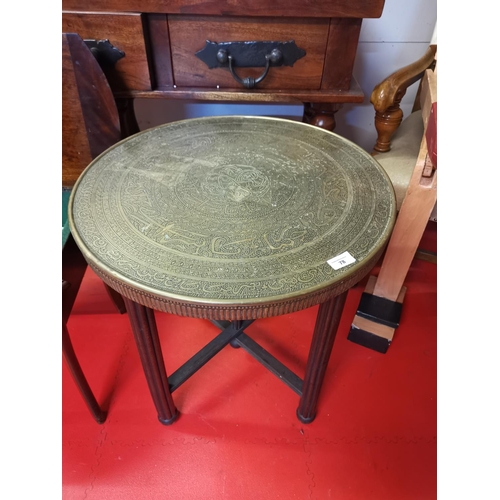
(232, 217)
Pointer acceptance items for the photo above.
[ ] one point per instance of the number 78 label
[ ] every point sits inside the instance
(342, 260)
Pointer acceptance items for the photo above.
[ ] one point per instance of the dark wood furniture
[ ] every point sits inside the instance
(156, 42)
(232, 219)
(90, 125)
(90, 122)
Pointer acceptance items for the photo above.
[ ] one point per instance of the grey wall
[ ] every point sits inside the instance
(399, 37)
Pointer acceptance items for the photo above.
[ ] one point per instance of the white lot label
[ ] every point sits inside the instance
(342, 260)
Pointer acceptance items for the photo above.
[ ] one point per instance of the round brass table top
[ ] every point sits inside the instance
(232, 217)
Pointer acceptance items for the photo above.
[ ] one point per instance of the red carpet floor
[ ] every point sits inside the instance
(374, 436)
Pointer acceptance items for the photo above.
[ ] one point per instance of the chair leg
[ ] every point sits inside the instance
(410, 226)
(76, 370)
(379, 311)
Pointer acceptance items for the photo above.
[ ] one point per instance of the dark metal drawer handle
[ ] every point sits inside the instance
(107, 55)
(249, 82)
(249, 55)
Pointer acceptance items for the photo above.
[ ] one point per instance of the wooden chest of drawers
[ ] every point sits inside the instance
(158, 42)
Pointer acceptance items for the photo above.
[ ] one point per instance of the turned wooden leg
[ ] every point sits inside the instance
(386, 124)
(321, 114)
(76, 370)
(128, 121)
(325, 330)
(143, 325)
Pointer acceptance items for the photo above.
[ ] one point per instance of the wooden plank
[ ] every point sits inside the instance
(368, 325)
(188, 35)
(292, 8)
(275, 366)
(341, 50)
(353, 95)
(370, 287)
(410, 225)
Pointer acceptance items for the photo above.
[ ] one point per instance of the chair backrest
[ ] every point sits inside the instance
(90, 120)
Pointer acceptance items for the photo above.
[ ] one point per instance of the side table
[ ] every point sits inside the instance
(232, 219)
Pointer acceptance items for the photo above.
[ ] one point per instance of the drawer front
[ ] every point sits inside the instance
(125, 32)
(188, 35)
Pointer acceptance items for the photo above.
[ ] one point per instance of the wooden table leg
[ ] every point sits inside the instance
(143, 325)
(321, 114)
(76, 370)
(325, 330)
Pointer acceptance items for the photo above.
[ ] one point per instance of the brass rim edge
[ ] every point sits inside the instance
(235, 310)
(174, 298)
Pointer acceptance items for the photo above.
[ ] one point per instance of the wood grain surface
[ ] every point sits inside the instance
(125, 32)
(354, 94)
(340, 53)
(159, 50)
(76, 152)
(293, 8)
(90, 122)
(188, 35)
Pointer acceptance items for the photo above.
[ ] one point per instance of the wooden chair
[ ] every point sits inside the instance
(409, 156)
(90, 125)
(398, 141)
